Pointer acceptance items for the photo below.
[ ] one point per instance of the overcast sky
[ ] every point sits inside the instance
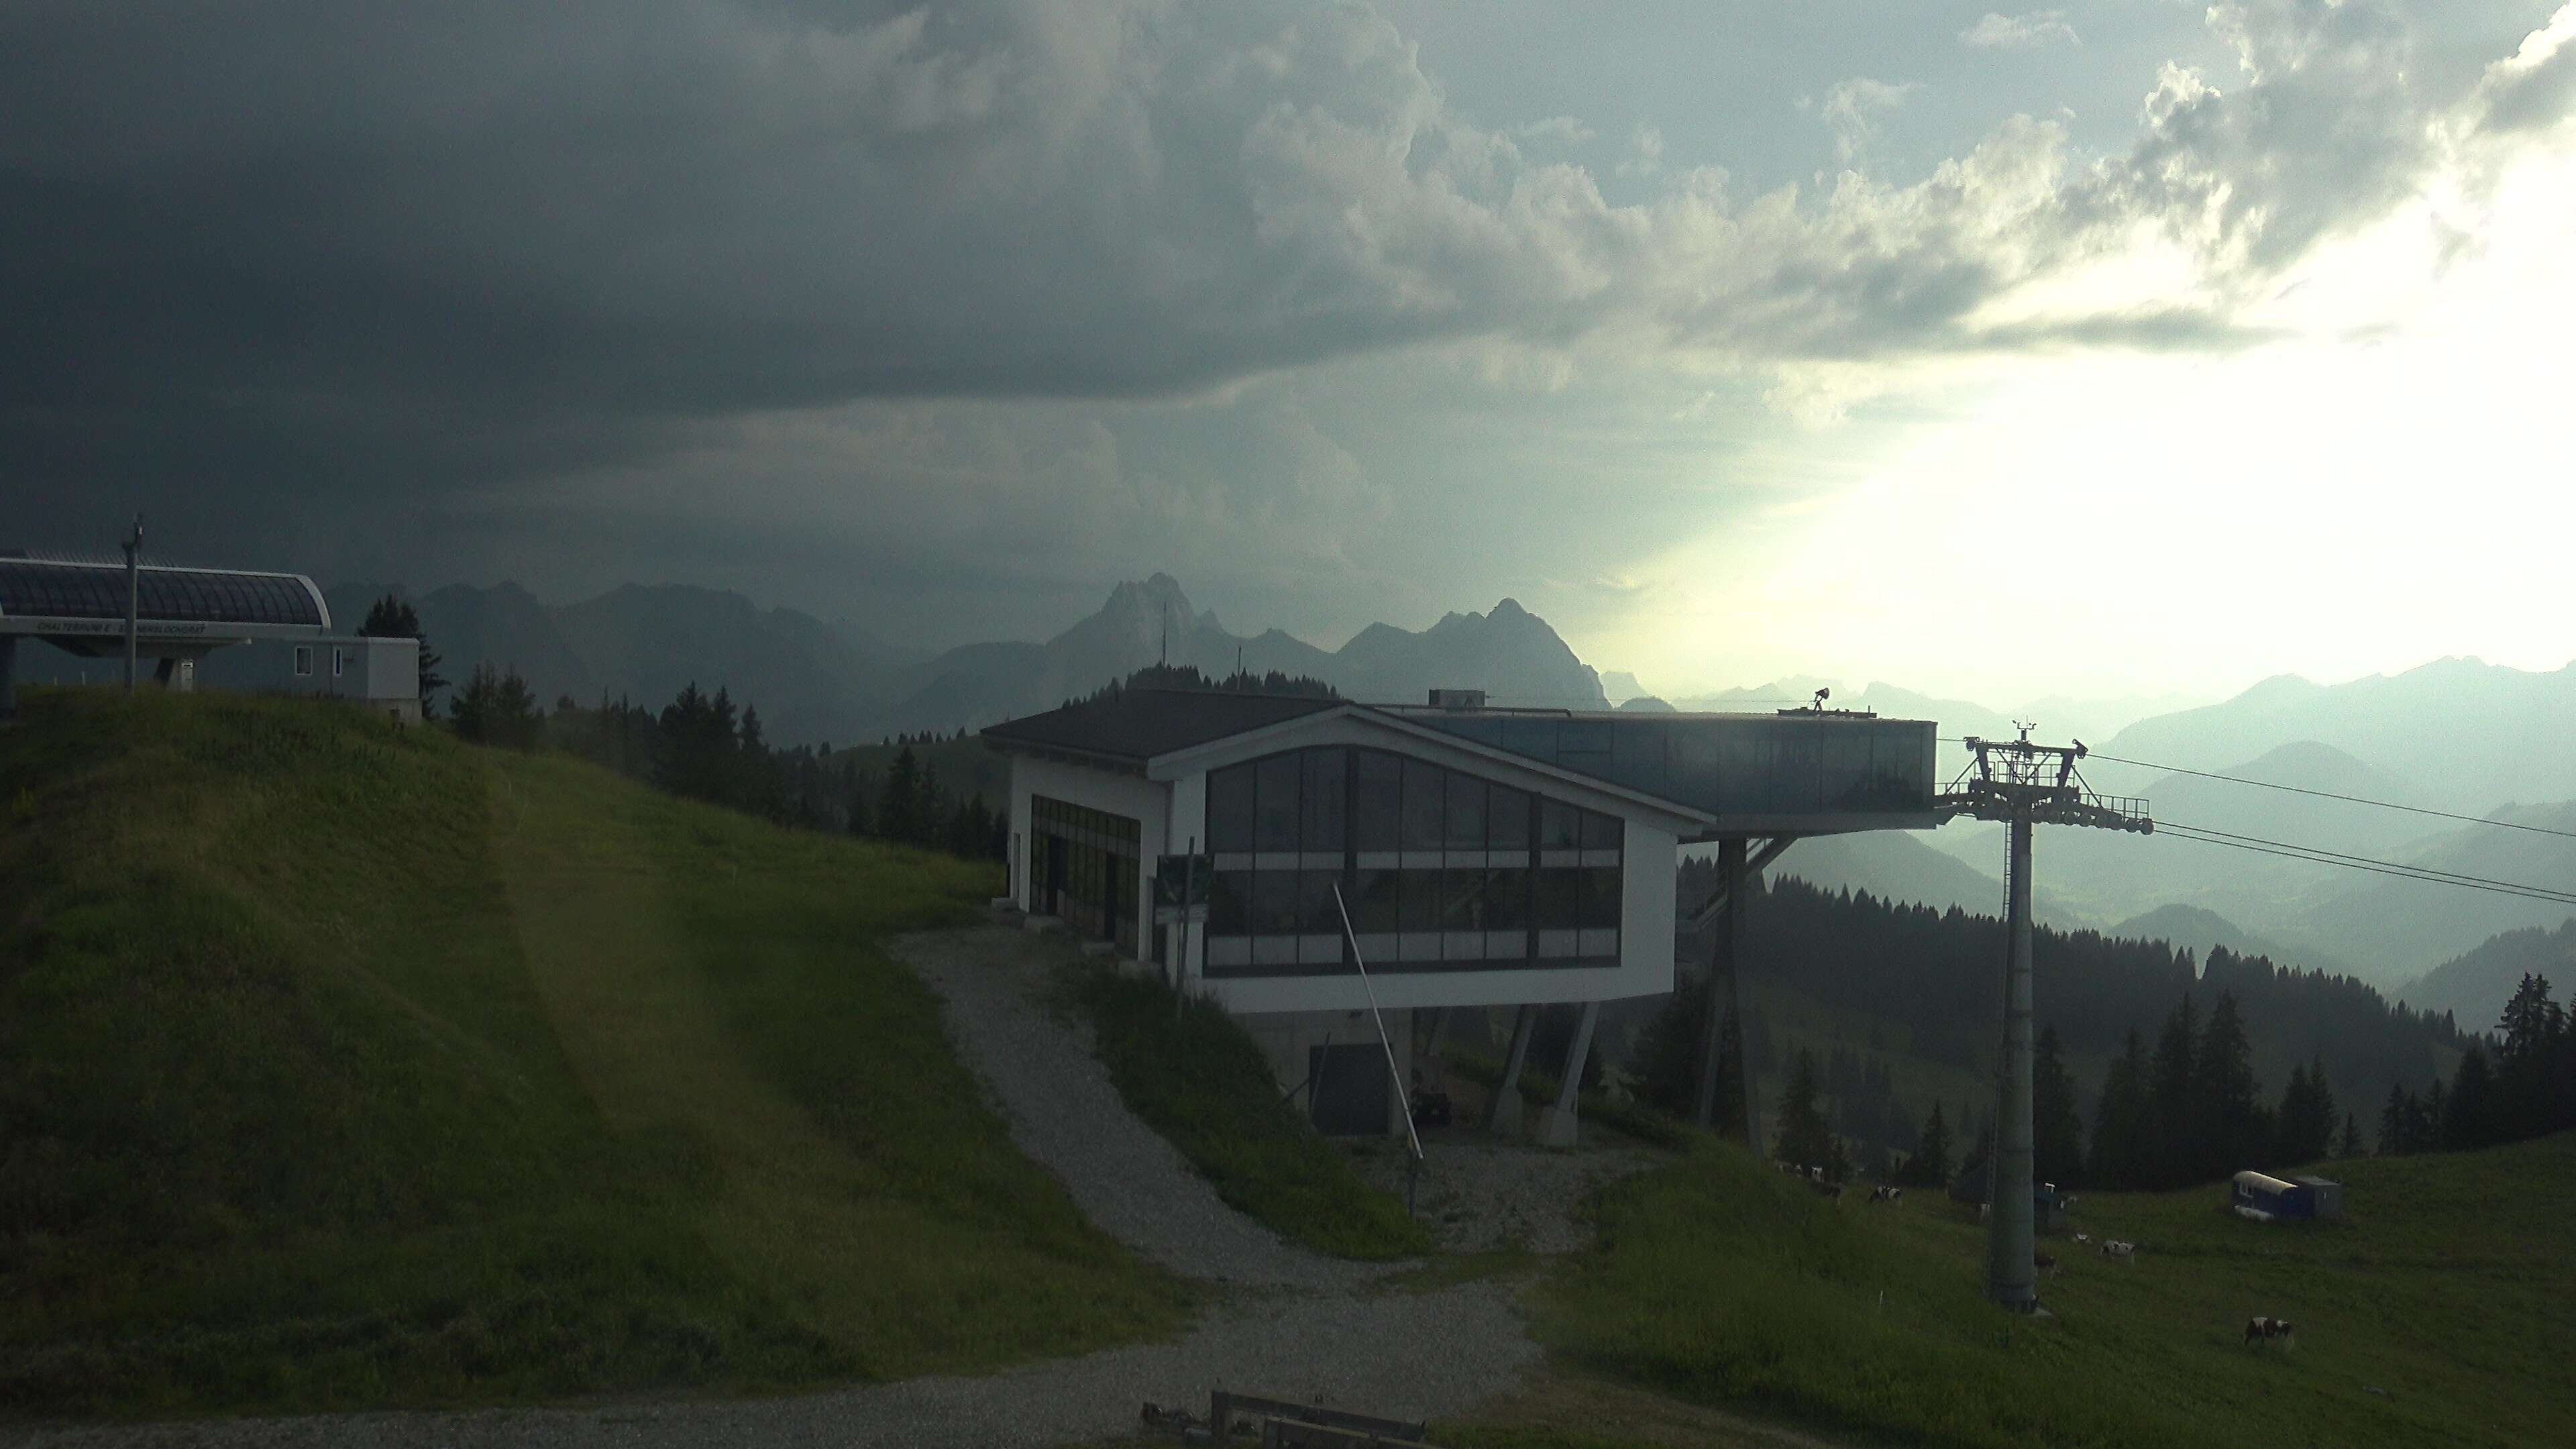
(2120, 348)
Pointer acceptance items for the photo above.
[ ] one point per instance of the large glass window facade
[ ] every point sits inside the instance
(1441, 869)
(1084, 869)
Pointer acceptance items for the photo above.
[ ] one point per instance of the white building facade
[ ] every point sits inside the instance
(381, 675)
(1475, 872)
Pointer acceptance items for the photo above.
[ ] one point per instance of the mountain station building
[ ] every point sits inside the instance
(1486, 856)
(181, 615)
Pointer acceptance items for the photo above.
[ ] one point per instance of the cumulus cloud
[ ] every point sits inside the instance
(2020, 32)
(1851, 108)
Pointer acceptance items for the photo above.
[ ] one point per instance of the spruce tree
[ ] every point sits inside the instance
(2234, 1131)
(1805, 1139)
(2471, 1120)
(2172, 1139)
(1930, 1164)
(2350, 1146)
(2396, 1122)
(2123, 1136)
(2057, 1128)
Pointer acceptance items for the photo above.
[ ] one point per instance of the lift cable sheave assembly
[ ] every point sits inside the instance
(2021, 784)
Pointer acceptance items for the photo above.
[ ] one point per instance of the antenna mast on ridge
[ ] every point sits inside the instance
(2023, 784)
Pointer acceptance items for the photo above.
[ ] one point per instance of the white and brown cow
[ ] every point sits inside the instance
(2269, 1330)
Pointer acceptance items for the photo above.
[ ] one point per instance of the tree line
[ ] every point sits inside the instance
(705, 747)
(2527, 1088)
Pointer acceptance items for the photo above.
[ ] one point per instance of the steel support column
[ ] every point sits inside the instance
(2012, 1278)
(1503, 1114)
(1559, 1125)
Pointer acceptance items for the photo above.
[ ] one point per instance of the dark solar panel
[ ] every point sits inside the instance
(80, 591)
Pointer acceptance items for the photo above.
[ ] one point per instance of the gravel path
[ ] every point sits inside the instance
(1064, 1113)
(1400, 1355)
(1306, 1327)
(1479, 1194)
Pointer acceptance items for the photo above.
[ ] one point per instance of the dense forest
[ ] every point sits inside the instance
(2195, 1042)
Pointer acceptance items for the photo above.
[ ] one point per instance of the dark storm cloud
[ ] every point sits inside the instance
(296, 250)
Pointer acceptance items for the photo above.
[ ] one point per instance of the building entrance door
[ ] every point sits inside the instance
(1051, 893)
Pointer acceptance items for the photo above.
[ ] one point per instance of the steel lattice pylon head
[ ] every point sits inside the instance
(2017, 779)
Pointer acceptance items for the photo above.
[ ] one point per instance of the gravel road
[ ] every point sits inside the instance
(1302, 1327)
(1400, 1355)
(1064, 1113)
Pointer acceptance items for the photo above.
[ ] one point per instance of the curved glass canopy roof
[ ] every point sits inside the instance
(45, 589)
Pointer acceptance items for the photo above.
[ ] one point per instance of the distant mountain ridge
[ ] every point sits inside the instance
(1510, 653)
(814, 681)
(2475, 986)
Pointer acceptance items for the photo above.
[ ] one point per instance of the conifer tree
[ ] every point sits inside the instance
(2057, 1128)
(2395, 1120)
(2170, 1108)
(1805, 1139)
(2350, 1146)
(2232, 1129)
(2123, 1123)
(1930, 1164)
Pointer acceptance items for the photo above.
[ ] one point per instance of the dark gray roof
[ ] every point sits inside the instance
(1138, 724)
(52, 589)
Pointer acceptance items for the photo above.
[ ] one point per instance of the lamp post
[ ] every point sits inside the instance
(133, 595)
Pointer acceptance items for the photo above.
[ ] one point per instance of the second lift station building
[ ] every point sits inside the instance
(1488, 856)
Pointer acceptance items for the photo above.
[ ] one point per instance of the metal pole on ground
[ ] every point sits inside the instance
(133, 595)
(1395, 1074)
(2012, 1277)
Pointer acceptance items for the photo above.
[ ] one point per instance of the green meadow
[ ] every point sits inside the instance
(2437, 1312)
(343, 1065)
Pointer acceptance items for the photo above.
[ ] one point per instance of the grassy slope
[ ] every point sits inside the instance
(2451, 1287)
(1194, 1075)
(344, 1065)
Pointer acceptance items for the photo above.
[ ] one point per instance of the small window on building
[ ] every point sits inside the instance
(303, 660)
(339, 661)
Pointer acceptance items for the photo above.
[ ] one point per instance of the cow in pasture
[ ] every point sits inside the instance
(2045, 1262)
(1823, 1188)
(2114, 1248)
(1887, 1194)
(2083, 1237)
(2266, 1330)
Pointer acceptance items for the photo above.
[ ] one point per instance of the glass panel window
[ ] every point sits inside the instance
(1462, 900)
(1421, 900)
(303, 659)
(1230, 903)
(1600, 832)
(1600, 889)
(1325, 800)
(1507, 819)
(1507, 900)
(1379, 809)
(1424, 788)
(1376, 911)
(1466, 827)
(1316, 914)
(1560, 826)
(1274, 902)
(1556, 903)
(1230, 809)
(1274, 821)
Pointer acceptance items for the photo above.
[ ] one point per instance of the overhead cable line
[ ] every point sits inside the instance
(2093, 754)
(2315, 856)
